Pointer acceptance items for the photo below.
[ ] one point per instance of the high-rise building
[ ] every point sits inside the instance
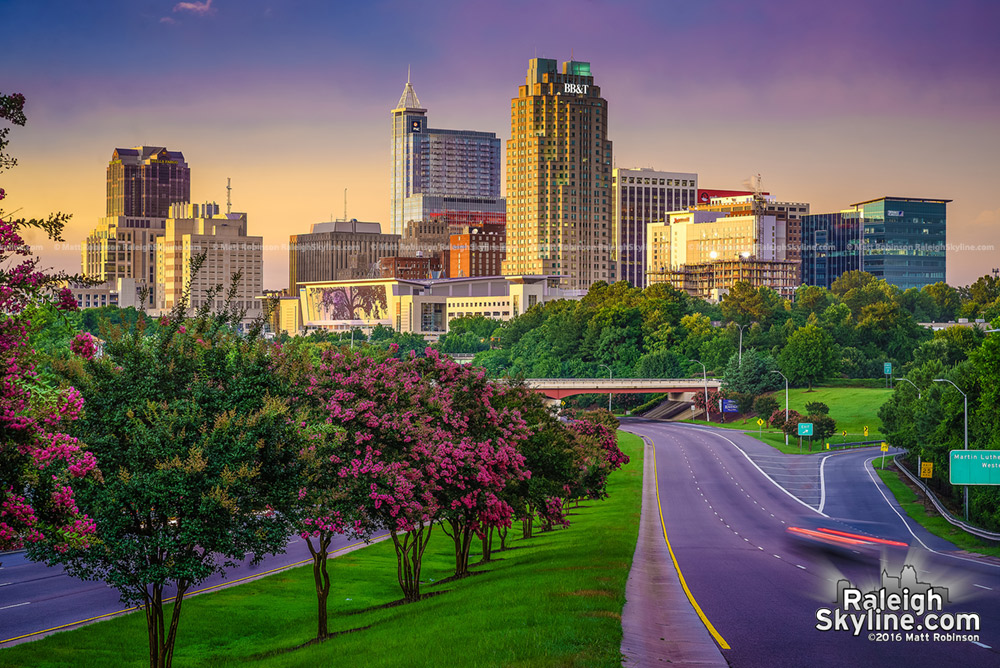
(337, 251)
(437, 171)
(643, 196)
(788, 215)
(899, 239)
(559, 177)
(144, 181)
(124, 247)
(196, 229)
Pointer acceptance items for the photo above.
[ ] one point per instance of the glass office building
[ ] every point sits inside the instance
(899, 239)
(431, 166)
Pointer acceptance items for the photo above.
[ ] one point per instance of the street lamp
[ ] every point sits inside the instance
(786, 404)
(610, 376)
(704, 375)
(741, 341)
(913, 384)
(965, 400)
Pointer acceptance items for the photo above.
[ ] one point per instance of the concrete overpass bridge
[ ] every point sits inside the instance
(677, 388)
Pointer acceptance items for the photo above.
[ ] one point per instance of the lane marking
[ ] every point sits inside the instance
(663, 525)
(800, 566)
(982, 587)
(822, 483)
(980, 644)
(763, 473)
(16, 605)
(192, 593)
(879, 486)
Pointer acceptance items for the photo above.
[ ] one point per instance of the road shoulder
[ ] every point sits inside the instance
(658, 623)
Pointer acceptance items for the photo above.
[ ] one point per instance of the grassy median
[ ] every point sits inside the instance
(553, 600)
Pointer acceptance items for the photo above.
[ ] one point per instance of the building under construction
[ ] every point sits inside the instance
(712, 280)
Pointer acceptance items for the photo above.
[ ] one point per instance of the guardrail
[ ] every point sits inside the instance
(854, 444)
(965, 526)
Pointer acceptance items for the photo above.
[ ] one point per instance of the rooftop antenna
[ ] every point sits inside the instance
(345, 198)
(407, 74)
(229, 193)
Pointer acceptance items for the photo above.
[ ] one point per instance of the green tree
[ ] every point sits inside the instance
(753, 375)
(945, 299)
(745, 303)
(661, 364)
(817, 408)
(200, 450)
(764, 406)
(810, 356)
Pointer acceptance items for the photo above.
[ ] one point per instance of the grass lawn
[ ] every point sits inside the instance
(851, 407)
(553, 600)
(928, 517)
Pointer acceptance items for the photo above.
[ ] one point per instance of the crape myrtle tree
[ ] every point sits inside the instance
(423, 443)
(598, 456)
(549, 453)
(38, 460)
(479, 451)
(200, 454)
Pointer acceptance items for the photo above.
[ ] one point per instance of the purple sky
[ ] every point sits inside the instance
(832, 103)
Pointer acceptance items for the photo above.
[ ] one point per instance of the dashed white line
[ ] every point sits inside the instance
(16, 605)
(800, 566)
(776, 556)
(982, 587)
(980, 644)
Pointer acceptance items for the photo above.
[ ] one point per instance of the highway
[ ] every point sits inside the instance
(35, 598)
(727, 523)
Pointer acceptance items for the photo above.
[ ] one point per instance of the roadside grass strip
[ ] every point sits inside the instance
(933, 522)
(552, 600)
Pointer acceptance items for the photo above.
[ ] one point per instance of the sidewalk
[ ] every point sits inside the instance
(658, 623)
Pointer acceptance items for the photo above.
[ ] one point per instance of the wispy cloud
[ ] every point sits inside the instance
(168, 20)
(199, 8)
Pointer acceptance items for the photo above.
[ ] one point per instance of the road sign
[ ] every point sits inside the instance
(827, 446)
(730, 406)
(760, 422)
(805, 429)
(885, 447)
(926, 469)
(975, 467)
(866, 430)
(887, 368)
(844, 434)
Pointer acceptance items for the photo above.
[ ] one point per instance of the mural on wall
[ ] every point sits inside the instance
(366, 302)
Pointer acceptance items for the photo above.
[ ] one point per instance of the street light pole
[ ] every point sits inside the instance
(610, 376)
(965, 400)
(741, 342)
(786, 403)
(704, 375)
(913, 384)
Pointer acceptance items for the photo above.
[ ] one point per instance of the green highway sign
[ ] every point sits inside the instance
(887, 368)
(975, 467)
(805, 429)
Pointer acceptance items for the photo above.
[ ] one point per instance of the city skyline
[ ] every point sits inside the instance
(830, 105)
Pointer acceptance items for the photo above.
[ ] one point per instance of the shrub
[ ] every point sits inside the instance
(817, 408)
(766, 405)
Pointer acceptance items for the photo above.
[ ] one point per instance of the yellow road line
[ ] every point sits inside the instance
(694, 604)
(197, 591)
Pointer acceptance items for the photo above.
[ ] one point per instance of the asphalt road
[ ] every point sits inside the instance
(727, 523)
(35, 599)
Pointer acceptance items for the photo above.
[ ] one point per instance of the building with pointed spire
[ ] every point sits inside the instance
(441, 173)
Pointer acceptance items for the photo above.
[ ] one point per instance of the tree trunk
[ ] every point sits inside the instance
(161, 640)
(462, 536)
(321, 578)
(526, 523)
(502, 531)
(487, 545)
(409, 557)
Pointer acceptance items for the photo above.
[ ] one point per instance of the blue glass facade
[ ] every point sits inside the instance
(903, 242)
